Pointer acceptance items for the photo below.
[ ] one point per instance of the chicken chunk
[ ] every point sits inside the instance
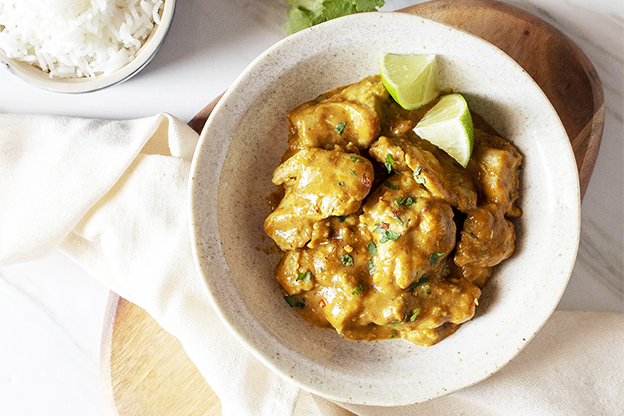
(495, 167)
(318, 184)
(412, 230)
(437, 171)
(346, 115)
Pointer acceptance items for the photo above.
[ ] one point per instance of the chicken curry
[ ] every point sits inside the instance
(383, 234)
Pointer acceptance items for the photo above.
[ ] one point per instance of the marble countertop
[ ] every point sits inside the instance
(52, 311)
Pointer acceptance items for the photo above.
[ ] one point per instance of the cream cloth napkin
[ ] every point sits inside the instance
(112, 195)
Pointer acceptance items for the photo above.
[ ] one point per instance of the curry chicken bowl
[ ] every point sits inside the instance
(404, 244)
(383, 234)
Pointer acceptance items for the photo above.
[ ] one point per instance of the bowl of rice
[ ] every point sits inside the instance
(77, 46)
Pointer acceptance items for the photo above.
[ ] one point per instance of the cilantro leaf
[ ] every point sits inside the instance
(293, 301)
(389, 162)
(306, 13)
(340, 128)
(306, 277)
(359, 288)
(346, 259)
(433, 258)
(372, 249)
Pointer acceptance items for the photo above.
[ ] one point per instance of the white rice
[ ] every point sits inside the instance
(76, 38)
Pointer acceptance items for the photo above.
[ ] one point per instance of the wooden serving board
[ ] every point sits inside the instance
(144, 369)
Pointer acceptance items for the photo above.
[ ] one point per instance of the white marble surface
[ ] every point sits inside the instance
(52, 311)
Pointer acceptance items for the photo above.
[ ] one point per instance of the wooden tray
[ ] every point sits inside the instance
(145, 370)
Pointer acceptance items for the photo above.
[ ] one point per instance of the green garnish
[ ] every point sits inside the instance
(306, 13)
(395, 324)
(393, 334)
(356, 159)
(353, 173)
(346, 259)
(372, 249)
(306, 277)
(396, 217)
(341, 183)
(342, 218)
(293, 301)
(389, 162)
(413, 317)
(419, 179)
(389, 235)
(359, 288)
(407, 201)
(340, 127)
(391, 186)
(421, 281)
(371, 267)
(433, 258)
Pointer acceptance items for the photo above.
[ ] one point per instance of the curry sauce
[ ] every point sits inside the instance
(383, 234)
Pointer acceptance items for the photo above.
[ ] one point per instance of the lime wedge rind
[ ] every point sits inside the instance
(448, 125)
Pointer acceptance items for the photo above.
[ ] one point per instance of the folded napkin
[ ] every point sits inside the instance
(112, 195)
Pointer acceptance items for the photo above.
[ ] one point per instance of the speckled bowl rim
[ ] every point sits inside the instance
(144, 56)
(205, 164)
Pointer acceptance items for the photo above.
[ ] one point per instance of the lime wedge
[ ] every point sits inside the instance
(448, 125)
(412, 80)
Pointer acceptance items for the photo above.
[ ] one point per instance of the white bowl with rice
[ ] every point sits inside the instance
(76, 46)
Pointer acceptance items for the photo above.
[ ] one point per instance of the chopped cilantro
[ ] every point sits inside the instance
(359, 288)
(399, 220)
(371, 267)
(341, 183)
(306, 13)
(393, 334)
(433, 258)
(353, 173)
(356, 159)
(421, 281)
(342, 218)
(346, 259)
(391, 186)
(372, 249)
(340, 127)
(306, 277)
(414, 315)
(419, 179)
(388, 235)
(294, 302)
(389, 162)
(407, 201)
(395, 324)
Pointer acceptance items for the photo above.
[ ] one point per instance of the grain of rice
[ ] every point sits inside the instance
(76, 38)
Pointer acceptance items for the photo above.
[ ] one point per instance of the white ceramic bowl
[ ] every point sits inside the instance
(242, 144)
(144, 55)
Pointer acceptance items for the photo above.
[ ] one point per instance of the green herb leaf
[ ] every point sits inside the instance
(371, 267)
(342, 218)
(352, 173)
(341, 183)
(294, 302)
(372, 249)
(421, 281)
(399, 220)
(414, 315)
(359, 288)
(388, 235)
(306, 277)
(391, 186)
(306, 13)
(393, 334)
(340, 127)
(407, 201)
(419, 179)
(389, 162)
(395, 324)
(433, 258)
(346, 259)
(356, 159)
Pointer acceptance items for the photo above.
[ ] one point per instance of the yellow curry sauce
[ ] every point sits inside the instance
(383, 234)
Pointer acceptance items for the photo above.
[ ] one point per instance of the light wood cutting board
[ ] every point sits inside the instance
(145, 370)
